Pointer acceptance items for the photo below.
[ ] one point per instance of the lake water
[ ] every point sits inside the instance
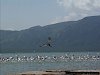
(20, 62)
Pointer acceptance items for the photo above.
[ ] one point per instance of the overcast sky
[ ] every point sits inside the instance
(23, 14)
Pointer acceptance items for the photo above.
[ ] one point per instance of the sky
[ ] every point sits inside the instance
(23, 14)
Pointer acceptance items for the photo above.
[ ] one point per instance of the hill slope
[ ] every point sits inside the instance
(82, 35)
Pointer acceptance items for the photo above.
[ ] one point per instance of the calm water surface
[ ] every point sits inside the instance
(49, 61)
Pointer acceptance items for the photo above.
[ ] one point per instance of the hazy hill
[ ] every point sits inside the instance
(82, 35)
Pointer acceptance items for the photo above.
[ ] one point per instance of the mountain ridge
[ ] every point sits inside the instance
(81, 35)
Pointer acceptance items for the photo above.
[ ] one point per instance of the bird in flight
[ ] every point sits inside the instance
(48, 43)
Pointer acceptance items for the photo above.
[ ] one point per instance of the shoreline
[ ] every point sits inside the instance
(61, 72)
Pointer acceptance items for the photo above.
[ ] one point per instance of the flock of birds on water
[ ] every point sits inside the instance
(52, 58)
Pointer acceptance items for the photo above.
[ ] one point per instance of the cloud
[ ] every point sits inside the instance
(77, 9)
(86, 5)
(65, 18)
